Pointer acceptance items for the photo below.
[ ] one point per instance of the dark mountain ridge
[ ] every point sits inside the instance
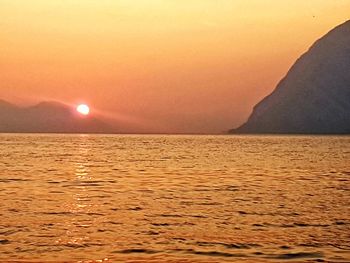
(314, 96)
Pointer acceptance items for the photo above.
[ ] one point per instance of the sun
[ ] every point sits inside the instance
(83, 109)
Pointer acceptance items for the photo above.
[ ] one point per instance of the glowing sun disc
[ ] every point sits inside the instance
(83, 109)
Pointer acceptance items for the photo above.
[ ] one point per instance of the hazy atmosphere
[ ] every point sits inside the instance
(168, 66)
(174, 131)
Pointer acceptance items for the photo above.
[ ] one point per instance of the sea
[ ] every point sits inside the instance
(174, 198)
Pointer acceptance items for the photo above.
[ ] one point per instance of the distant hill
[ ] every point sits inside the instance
(314, 97)
(48, 117)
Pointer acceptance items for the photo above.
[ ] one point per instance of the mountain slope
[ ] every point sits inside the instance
(314, 97)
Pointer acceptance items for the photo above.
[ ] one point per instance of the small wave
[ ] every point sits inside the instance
(160, 224)
(65, 213)
(340, 223)
(170, 215)
(302, 225)
(298, 255)
(56, 192)
(179, 239)
(289, 225)
(285, 247)
(178, 216)
(242, 246)
(10, 180)
(73, 245)
(151, 233)
(136, 251)
(210, 203)
(82, 185)
(13, 210)
(229, 245)
(93, 214)
(232, 188)
(241, 212)
(56, 213)
(136, 208)
(4, 241)
(54, 182)
(213, 253)
(8, 232)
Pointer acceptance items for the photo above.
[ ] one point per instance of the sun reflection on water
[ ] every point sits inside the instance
(80, 207)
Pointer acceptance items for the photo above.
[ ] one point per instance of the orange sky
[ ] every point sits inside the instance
(167, 65)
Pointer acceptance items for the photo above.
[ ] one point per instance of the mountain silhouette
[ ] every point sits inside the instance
(48, 117)
(314, 96)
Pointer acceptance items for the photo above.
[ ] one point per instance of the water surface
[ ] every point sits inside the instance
(174, 198)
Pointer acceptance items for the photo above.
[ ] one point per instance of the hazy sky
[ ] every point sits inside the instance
(167, 65)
